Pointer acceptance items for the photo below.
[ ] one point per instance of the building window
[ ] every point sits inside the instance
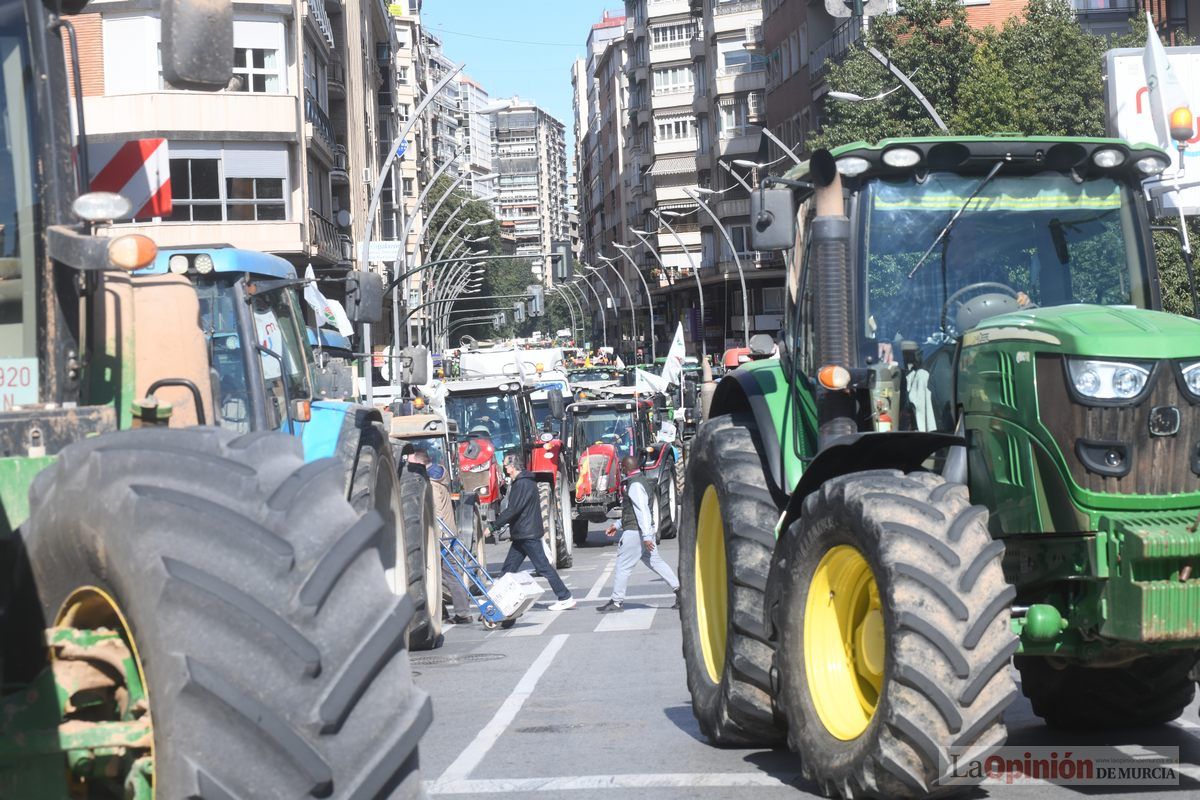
(673, 79)
(740, 234)
(251, 199)
(196, 190)
(671, 128)
(257, 69)
(410, 188)
(672, 35)
(772, 299)
(402, 76)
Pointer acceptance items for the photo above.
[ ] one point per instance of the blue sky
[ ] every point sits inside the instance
(520, 47)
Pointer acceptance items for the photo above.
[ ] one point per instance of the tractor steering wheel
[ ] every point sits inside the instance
(972, 287)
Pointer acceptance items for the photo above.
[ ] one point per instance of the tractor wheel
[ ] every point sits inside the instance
(244, 601)
(668, 500)
(373, 485)
(562, 519)
(726, 539)
(424, 558)
(1149, 691)
(579, 532)
(549, 540)
(680, 475)
(893, 633)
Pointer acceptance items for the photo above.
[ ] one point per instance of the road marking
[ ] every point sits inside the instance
(475, 752)
(598, 586)
(631, 619)
(592, 782)
(533, 623)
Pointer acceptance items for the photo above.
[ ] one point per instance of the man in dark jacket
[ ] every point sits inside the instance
(523, 516)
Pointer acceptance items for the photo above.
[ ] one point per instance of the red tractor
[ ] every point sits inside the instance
(599, 434)
(496, 417)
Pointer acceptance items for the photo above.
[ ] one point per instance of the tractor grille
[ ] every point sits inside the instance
(1156, 464)
(471, 481)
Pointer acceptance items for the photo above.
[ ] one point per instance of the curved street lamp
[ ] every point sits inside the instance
(736, 260)
(632, 311)
(624, 248)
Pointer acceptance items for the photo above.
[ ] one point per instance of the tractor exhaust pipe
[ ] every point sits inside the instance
(830, 232)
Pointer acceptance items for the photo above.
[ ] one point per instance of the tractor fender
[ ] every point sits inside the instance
(750, 391)
(859, 452)
(340, 431)
(653, 461)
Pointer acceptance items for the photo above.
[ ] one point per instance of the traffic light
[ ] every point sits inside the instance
(499, 319)
(518, 311)
(536, 303)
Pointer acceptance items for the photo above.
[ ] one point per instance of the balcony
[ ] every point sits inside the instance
(314, 12)
(731, 17)
(336, 82)
(835, 47)
(318, 129)
(677, 50)
(676, 146)
(739, 141)
(741, 78)
(723, 9)
(340, 173)
(698, 47)
(680, 97)
(667, 8)
(727, 209)
(323, 238)
(1104, 17)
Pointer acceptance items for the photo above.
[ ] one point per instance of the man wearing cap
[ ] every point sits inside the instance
(637, 537)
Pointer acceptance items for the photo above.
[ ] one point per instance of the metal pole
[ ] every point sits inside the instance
(629, 297)
(373, 209)
(699, 288)
(912, 88)
(603, 322)
(611, 296)
(649, 300)
(736, 260)
(562, 295)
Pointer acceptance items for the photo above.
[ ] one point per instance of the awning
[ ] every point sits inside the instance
(674, 165)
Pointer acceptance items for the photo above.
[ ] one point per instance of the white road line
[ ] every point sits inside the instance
(673, 780)
(475, 752)
(533, 623)
(631, 619)
(598, 586)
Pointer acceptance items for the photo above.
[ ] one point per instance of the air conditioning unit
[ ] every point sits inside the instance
(754, 104)
(367, 178)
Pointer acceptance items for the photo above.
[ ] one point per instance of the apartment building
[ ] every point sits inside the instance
(530, 159)
(276, 162)
(475, 135)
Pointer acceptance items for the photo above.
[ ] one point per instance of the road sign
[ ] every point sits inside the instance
(402, 149)
(383, 251)
(1129, 117)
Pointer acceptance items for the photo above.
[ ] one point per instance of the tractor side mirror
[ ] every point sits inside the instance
(417, 365)
(197, 44)
(773, 219)
(364, 298)
(555, 399)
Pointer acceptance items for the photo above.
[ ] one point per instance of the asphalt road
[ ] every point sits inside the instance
(580, 705)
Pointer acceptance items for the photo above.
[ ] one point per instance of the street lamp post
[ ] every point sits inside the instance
(632, 311)
(646, 287)
(580, 300)
(563, 295)
(695, 273)
(594, 271)
(736, 260)
(600, 303)
(373, 208)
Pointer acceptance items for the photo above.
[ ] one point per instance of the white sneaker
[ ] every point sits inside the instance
(563, 605)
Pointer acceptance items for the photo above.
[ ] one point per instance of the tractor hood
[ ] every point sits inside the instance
(1099, 331)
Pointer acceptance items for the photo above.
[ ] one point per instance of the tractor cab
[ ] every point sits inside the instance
(494, 416)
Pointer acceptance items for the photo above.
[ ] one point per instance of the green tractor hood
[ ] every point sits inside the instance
(1097, 331)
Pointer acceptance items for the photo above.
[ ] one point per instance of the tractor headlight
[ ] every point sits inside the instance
(1109, 380)
(1191, 377)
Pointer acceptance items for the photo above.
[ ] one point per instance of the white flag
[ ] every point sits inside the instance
(619, 364)
(649, 383)
(1166, 93)
(329, 312)
(672, 371)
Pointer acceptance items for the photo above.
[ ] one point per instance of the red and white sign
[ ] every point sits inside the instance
(139, 170)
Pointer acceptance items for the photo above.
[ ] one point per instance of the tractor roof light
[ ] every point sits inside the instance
(178, 264)
(1151, 165)
(851, 166)
(833, 377)
(132, 251)
(204, 263)
(1108, 157)
(902, 157)
(1181, 124)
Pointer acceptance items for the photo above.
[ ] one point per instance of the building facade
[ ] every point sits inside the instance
(530, 159)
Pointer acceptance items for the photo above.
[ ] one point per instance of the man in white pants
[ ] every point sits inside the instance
(637, 537)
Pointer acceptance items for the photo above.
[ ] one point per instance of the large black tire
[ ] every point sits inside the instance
(1150, 691)
(734, 706)
(668, 500)
(944, 609)
(550, 538)
(562, 521)
(372, 485)
(423, 557)
(271, 646)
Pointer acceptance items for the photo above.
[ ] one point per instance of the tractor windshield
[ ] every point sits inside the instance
(277, 328)
(495, 413)
(606, 426)
(1026, 241)
(18, 196)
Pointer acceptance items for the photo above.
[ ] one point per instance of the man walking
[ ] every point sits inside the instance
(523, 516)
(637, 537)
(443, 508)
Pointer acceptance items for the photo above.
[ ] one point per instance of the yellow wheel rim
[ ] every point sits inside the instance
(712, 603)
(844, 642)
(92, 608)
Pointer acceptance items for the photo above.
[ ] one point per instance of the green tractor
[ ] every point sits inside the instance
(185, 610)
(980, 445)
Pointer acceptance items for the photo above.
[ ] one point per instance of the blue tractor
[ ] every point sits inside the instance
(265, 377)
